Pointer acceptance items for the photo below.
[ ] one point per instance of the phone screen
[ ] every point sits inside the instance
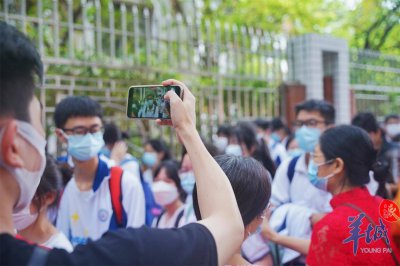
(147, 102)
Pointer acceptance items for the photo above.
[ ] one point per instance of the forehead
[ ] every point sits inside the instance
(85, 121)
(307, 115)
(393, 120)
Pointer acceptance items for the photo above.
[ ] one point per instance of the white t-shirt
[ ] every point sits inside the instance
(188, 215)
(58, 240)
(277, 151)
(299, 190)
(169, 222)
(87, 214)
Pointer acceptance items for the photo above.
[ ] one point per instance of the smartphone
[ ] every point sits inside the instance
(147, 101)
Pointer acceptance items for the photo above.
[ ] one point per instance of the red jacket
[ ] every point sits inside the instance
(346, 237)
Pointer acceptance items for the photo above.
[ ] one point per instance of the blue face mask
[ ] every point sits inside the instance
(275, 137)
(187, 182)
(295, 152)
(106, 152)
(85, 147)
(318, 182)
(307, 138)
(149, 158)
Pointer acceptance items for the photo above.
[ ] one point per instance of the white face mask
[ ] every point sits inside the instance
(28, 181)
(221, 143)
(24, 218)
(164, 193)
(393, 129)
(234, 149)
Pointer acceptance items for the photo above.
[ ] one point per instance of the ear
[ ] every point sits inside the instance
(60, 135)
(49, 198)
(339, 167)
(11, 146)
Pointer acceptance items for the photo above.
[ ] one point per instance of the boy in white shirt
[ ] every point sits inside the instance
(86, 210)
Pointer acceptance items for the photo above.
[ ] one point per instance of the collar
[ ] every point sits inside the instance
(101, 173)
(355, 195)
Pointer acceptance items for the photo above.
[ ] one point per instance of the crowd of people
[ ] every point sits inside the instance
(261, 192)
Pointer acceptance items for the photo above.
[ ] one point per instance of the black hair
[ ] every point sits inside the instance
(19, 65)
(51, 181)
(262, 123)
(391, 116)
(172, 169)
(160, 146)
(354, 147)
(246, 134)
(112, 133)
(326, 109)
(277, 124)
(366, 121)
(251, 184)
(212, 150)
(76, 106)
(224, 130)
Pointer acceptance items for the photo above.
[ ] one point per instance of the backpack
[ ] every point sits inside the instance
(119, 214)
(115, 181)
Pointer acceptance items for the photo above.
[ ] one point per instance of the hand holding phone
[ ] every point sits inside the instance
(183, 109)
(148, 101)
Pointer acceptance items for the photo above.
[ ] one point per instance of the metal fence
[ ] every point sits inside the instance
(100, 48)
(375, 81)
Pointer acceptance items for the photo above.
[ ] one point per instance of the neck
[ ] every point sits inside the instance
(342, 189)
(171, 208)
(85, 171)
(40, 231)
(9, 192)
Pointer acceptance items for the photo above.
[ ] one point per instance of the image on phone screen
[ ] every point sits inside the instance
(148, 102)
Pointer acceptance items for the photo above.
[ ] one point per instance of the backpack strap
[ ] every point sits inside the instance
(179, 217)
(38, 257)
(374, 224)
(116, 194)
(159, 218)
(291, 168)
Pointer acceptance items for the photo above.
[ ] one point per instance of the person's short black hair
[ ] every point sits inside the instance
(391, 116)
(277, 124)
(76, 106)
(262, 123)
(19, 64)
(224, 130)
(112, 133)
(354, 146)
(51, 181)
(172, 169)
(251, 184)
(326, 109)
(366, 121)
(160, 146)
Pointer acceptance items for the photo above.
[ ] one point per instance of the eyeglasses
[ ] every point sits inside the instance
(81, 130)
(308, 123)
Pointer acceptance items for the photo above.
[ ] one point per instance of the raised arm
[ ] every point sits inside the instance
(217, 201)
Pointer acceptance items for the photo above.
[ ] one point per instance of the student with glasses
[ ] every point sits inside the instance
(86, 209)
(297, 203)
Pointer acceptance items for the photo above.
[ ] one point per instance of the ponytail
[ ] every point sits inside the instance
(381, 175)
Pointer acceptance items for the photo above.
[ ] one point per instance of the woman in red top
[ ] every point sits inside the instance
(354, 233)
